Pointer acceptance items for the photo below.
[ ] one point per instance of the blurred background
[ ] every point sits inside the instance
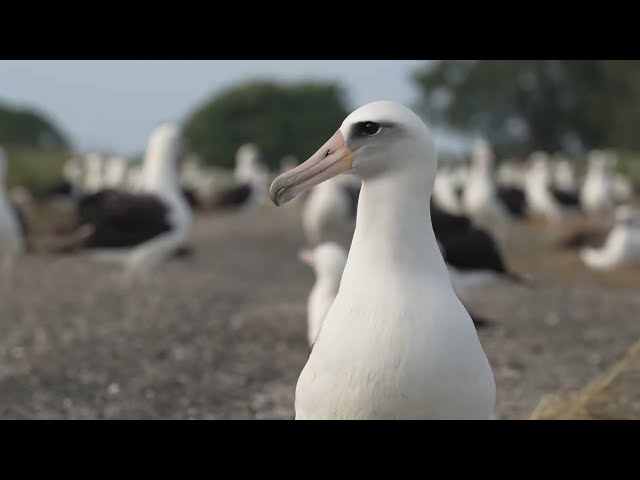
(541, 155)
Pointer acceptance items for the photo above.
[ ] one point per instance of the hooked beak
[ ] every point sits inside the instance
(332, 159)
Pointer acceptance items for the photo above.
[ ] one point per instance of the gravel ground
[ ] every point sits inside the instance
(221, 334)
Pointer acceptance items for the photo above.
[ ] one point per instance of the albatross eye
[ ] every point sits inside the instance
(368, 129)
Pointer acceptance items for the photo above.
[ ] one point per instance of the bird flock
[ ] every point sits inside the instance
(395, 239)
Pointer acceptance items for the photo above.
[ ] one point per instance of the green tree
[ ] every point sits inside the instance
(280, 119)
(524, 105)
(28, 128)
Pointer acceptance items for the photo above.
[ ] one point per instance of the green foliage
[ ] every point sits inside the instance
(280, 119)
(556, 104)
(27, 128)
(33, 168)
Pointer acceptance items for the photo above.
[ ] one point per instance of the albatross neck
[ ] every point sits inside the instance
(393, 228)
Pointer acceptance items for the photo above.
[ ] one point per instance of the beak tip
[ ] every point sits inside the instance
(276, 193)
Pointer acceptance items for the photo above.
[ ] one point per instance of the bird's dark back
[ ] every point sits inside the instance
(122, 219)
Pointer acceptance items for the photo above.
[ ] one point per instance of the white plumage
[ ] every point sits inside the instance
(396, 343)
(481, 202)
(596, 195)
(327, 213)
(327, 261)
(622, 246)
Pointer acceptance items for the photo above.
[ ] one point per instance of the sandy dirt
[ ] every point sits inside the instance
(220, 334)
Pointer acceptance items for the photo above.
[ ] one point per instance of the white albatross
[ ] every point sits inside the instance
(396, 343)
(327, 261)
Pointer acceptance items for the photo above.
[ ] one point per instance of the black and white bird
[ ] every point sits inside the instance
(622, 245)
(543, 198)
(471, 253)
(251, 182)
(481, 201)
(564, 176)
(139, 229)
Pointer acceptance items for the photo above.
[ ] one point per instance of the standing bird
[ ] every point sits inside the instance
(481, 201)
(564, 177)
(327, 261)
(397, 343)
(543, 199)
(12, 243)
(596, 195)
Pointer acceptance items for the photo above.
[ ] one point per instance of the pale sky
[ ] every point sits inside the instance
(114, 104)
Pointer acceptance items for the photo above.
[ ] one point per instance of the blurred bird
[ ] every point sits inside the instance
(138, 230)
(12, 242)
(622, 245)
(596, 195)
(329, 211)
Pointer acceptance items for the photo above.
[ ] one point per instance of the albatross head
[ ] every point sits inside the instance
(380, 138)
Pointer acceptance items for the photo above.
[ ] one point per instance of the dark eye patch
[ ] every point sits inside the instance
(368, 129)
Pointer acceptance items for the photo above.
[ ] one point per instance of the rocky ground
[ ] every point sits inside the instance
(220, 334)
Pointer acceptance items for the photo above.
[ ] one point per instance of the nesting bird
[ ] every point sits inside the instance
(138, 229)
(396, 343)
(622, 245)
(472, 255)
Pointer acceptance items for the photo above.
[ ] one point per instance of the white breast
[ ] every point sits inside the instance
(384, 360)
